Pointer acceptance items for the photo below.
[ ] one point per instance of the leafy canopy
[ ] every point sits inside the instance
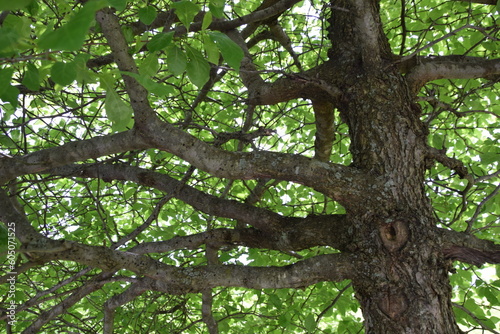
(58, 84)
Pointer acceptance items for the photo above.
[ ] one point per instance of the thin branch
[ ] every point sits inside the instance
(434, 42)
(476, 319)
(133, 291)
(487, 177)
(262, 13)
(95, 284)
(436, 103)
(484, 2)
(281, 233)
(3, 16)
(479, 207)
(334, 301)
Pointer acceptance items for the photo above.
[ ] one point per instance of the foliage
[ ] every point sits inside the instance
(58, 84)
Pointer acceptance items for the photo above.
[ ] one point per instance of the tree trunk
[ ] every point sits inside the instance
(402, 284)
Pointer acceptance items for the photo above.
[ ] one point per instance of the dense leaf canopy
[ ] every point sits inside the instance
(183, 167)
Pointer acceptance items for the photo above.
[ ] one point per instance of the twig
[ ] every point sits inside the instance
(473, 316)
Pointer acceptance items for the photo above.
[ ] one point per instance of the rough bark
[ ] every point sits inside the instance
(403, 285)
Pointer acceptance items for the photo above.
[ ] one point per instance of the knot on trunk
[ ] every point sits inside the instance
(394, 234)
(393, 303)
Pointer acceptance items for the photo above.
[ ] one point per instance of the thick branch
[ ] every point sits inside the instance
(342, 183)
(288, 87)
(468, 248)
(451, 163)
(367, 24)
(307, 85)
(24, 232)
(262, 13)
(451, 67)
(297, 235)
(331, 267)
(273, 231)
(71, 152)
(212, 205)
(138, 94)
(325, 129)
(472, 256)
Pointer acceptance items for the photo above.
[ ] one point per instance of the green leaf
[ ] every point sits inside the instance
(436, 13)
(217, 8)
(218, 3)
(488, 293)
(8, 93)
(151, 86)
(14, 5)
(284, 319)
(472, 306)
(186, 11)
(83, 74)
(31, 77)
(149, 65)
(118, 112)
(128, 33)
(63, 73)
(119, 5)
(160, 41)
(310, 323)
(71, 36)
(176, 60)
(489, 157)
(198, 69)
(437, 141)
(33, 8)
(276, 301)
(207, 20)
(147, 15)
(211, 49)
(107, 81)
(231, 51)
(9, 39)
(15, 35)
(22, 25)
